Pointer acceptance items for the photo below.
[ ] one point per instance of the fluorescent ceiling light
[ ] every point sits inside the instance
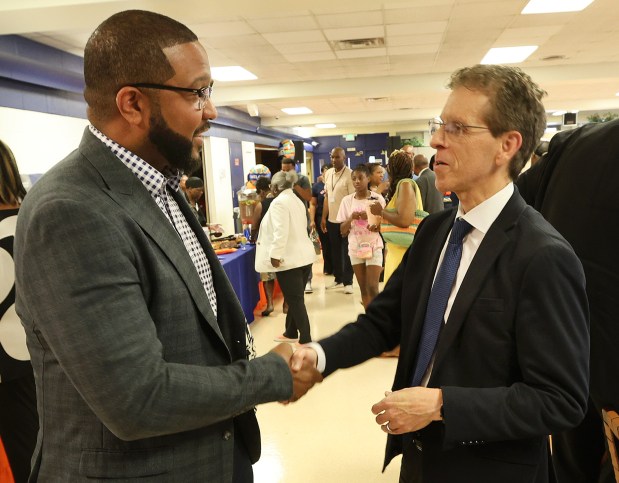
(559, 113)
(508, 55)
(295, 111)
(555, 6)
(325, 126)
(231, 73)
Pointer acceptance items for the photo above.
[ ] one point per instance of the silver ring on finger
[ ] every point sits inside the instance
(389, 430)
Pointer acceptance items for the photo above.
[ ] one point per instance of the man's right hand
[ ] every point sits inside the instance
(323, 225)
(304, 372)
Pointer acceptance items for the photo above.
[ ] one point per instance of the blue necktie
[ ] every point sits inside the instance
(437, 303)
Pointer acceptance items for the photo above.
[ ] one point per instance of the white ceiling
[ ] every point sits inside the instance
(394, 88)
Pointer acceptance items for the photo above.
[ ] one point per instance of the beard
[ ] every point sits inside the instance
(174, 147)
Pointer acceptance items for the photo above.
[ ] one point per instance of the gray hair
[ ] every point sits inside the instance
(515, 104)
(283, 180)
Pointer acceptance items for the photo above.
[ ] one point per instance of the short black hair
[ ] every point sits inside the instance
(362, 168)
(127, 48)
(263, 184)
(194, 182)
(286, 160)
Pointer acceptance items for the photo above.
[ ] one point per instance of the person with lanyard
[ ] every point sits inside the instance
(489, 306)
(338, 184)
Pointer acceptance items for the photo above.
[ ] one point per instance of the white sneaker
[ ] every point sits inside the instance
(308, 287)
(335, 285)
(348, 289)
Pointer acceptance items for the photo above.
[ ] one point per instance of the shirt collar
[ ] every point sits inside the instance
(152, 179)
(483, 215)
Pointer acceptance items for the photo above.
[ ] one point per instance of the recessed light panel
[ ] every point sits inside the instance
(508, 55)
(231, 73)
(295, 111)
(555, 6)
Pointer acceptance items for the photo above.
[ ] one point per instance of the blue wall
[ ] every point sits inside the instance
(365, 145)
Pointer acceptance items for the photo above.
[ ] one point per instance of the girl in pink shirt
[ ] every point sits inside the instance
(362, 228)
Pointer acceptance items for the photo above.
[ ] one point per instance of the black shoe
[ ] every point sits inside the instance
(266, 312)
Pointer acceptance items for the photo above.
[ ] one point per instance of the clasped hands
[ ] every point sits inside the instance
(399, 412)
(302, 366)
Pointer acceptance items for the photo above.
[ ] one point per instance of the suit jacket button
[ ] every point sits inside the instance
(227, 435)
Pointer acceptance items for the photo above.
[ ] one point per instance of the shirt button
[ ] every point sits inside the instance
(227, 435)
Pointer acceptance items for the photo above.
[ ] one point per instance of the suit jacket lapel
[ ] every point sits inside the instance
(132, 196)
(490, 249)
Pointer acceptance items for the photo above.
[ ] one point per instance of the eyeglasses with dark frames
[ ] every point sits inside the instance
(203, 94)
(453, 128)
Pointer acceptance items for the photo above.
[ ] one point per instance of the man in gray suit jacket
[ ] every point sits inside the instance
(139, 345)
(431, 197)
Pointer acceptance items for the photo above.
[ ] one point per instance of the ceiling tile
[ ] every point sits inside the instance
(283, 23)
(355, 33)
(222, 29)
(351, 19)
(309, 56)
(418, 28)
(356, 53)
(295, 37)
(305, 47)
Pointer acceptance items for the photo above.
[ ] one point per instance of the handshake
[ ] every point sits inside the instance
(302, 365)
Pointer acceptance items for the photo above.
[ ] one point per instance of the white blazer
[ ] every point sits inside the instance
(283, 235)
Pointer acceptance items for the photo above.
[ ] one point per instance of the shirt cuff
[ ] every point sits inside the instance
(322, 358)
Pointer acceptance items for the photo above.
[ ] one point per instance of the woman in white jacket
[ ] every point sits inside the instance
(284, 247)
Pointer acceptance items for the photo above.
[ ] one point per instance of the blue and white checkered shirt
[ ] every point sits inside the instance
(157, 185)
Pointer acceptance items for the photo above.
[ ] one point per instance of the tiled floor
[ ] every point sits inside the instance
(330, 435)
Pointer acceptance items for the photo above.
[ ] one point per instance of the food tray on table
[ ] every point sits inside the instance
(224, 251)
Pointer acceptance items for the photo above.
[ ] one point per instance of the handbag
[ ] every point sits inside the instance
(315, 240)
(364, 251)
(403, 236)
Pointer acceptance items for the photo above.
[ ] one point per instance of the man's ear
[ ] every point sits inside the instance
(132, 105)
(511, 141)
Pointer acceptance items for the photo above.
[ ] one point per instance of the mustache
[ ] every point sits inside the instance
(203, 128)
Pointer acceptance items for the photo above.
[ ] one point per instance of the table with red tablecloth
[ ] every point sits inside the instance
(239, 266)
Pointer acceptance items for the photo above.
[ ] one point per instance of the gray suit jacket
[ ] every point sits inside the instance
(431, 197)
(136, 377)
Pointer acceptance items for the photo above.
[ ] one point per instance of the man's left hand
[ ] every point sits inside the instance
(409, 409)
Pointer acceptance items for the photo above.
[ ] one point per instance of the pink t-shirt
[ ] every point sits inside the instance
(359, 232)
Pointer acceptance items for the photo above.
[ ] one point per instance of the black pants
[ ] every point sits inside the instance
(577, 453)
(292, 282)
(342, 268)
(19, 424)
(326, 249)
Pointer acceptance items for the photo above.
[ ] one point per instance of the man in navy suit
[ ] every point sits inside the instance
(510, 363)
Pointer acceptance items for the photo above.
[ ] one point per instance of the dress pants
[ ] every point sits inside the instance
(342, 268)
(292, 282)
(19, 424)
(326, 249)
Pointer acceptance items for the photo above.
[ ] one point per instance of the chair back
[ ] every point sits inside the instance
(611, 428)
